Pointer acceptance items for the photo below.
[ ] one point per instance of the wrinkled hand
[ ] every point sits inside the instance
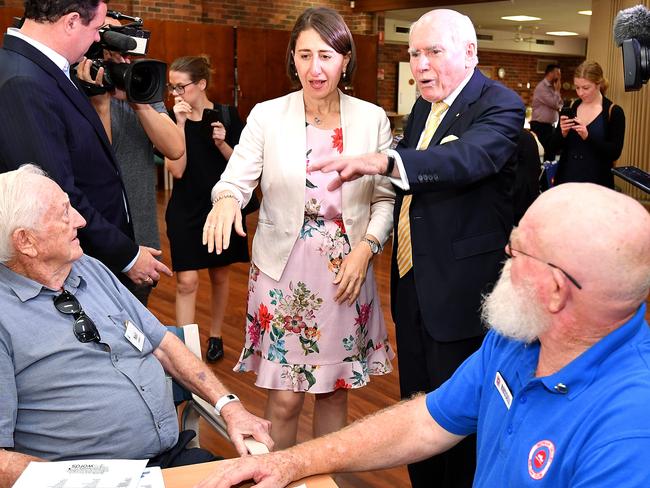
(269, 471)
(181, 110)
(241, 423)
(218, 133)
(351, 167)
(352, 274)
(147, 269)
(219, 222)
(566, 124)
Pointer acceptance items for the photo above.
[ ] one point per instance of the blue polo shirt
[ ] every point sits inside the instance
(588, 425)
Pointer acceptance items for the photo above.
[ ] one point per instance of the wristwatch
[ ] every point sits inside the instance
(374, 247)
(225, 400)
(390, 165)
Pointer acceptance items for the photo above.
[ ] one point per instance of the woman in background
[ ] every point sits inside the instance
(208, 146)
(314, 322)
(592, 139)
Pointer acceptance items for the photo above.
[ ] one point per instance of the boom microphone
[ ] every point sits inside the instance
(632, 23)
(120, 42)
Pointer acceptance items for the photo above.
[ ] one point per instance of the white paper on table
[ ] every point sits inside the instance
(98, 473)
(152, 478)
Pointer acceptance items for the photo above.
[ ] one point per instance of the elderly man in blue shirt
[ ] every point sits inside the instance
(558, 393)
(82, 362)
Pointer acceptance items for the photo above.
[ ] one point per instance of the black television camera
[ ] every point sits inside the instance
(143, 80)
(632, 34)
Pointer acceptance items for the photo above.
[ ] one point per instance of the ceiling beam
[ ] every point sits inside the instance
(383, 5)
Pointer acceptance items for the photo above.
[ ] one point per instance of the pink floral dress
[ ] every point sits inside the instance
(297, 337)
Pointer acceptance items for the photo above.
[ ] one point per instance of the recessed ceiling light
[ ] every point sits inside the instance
(562, 33)
(584, 12)
(520, 18)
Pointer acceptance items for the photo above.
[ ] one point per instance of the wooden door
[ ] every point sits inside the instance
(170, 40)
(261, 69)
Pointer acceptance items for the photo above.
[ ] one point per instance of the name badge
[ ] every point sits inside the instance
(502, 388)
(133, 335)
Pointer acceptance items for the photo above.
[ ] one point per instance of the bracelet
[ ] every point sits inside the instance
(221, 197)
(225, 400)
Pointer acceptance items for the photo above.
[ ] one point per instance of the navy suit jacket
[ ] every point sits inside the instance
(45, 120)
(461, 213)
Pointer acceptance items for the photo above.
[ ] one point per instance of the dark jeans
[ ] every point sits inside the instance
(180, 455)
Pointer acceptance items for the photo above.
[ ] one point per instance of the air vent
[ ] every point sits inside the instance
(545, 42)
(484, 37)
(401, 30)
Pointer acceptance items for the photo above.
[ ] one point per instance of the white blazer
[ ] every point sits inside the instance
(272, 152)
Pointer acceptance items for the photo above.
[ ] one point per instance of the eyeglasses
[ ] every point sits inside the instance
(179, 89)
(84, 328)
(509, 250)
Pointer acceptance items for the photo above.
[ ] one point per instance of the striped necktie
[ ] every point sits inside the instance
(404, 249)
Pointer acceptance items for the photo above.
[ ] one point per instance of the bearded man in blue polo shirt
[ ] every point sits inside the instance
(559, 392)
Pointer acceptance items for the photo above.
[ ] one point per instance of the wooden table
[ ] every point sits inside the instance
(188, 476)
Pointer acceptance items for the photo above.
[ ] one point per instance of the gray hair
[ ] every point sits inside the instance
(18, 206)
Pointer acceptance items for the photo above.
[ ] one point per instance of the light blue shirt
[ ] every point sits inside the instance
(63, 399)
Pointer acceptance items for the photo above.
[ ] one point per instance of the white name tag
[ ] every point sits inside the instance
(133, 335)
(503, 389)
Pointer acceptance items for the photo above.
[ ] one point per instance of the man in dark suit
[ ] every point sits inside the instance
(46, 120)
(453, 214)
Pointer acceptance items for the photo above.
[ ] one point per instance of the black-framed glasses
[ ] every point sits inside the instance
(179, 89)
(84, 328)
(509, 250)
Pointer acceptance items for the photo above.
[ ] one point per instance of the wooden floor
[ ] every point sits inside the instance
(382, 391)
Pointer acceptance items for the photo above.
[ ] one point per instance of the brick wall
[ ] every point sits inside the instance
(273, 14)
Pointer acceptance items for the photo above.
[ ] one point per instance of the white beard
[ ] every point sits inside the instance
(514, 312)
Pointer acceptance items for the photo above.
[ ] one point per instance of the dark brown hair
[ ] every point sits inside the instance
(332, 29)
(197, 67)
(53, 10)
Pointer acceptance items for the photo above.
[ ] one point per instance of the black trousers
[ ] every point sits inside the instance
(544, 132)
(424, 364)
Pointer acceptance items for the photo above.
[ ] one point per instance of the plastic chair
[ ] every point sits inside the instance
(196, 407)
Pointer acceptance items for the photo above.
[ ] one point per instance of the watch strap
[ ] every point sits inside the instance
(225, 400)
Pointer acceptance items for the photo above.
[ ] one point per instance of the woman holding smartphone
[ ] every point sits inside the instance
(590, 136)
(208, 145)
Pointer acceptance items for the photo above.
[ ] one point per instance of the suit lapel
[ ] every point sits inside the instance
(78, 99)
(468, 95)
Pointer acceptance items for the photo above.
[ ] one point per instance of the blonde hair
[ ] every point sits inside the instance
(592, 71)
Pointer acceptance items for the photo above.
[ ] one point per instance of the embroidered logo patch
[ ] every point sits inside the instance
(540, 458)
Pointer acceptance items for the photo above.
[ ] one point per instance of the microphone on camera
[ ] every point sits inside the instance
(632, 23)
(120, 42)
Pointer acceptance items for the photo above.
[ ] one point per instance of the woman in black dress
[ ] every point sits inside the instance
(208, 146)
(591, 139)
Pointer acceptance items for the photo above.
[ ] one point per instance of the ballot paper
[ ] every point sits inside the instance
(84, 473)
(152, 478)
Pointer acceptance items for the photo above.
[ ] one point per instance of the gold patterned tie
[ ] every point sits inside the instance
(404, 249)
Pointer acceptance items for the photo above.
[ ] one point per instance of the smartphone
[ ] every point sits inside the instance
(568, 112)
(211, 115)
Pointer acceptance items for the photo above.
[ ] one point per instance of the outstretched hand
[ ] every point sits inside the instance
(225, 213)
(350, 168)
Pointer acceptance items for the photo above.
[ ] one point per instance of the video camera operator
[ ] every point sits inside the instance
(48, 121)
(134, 129)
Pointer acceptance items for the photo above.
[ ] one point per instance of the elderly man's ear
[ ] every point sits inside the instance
(560, 293)
(24, 242)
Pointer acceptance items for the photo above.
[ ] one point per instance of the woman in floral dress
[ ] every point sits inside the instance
(314, 322)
